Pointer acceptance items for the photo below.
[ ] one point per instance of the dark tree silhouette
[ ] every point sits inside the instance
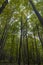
(36, 12)
(3, 6)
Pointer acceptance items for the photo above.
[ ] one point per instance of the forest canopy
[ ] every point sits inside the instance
(21, 31)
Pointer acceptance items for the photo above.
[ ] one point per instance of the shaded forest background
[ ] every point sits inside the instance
(21, 32)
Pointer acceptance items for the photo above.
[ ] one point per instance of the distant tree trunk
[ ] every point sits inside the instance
(20, 46)
(23, 51)
(27, 43)
(3, 6)
(37, 52)
(36, 12)
(12, 50)
(39, 35)
(17, 52)
(33, 53)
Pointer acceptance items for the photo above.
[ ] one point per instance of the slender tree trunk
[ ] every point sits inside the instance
(23, 51)
(33, 53)
(36, 12)
(20, 46)
(17, 53)
(37, 52)
(27, 43)
(12, 50)
(39, 35)
(3, 6)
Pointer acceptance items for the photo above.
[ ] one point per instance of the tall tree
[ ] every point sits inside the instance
(20, 46)
(27, 42)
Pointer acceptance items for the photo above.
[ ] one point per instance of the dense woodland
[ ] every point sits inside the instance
(21, 32)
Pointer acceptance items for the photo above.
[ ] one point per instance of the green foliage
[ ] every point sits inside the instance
(12, 13)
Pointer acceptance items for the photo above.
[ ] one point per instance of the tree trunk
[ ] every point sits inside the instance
(12, 50)
(36, 12)
(20, 46)
(37, 52)
(39, 35)
(27, 43)
(33, 53)
(3, 6)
